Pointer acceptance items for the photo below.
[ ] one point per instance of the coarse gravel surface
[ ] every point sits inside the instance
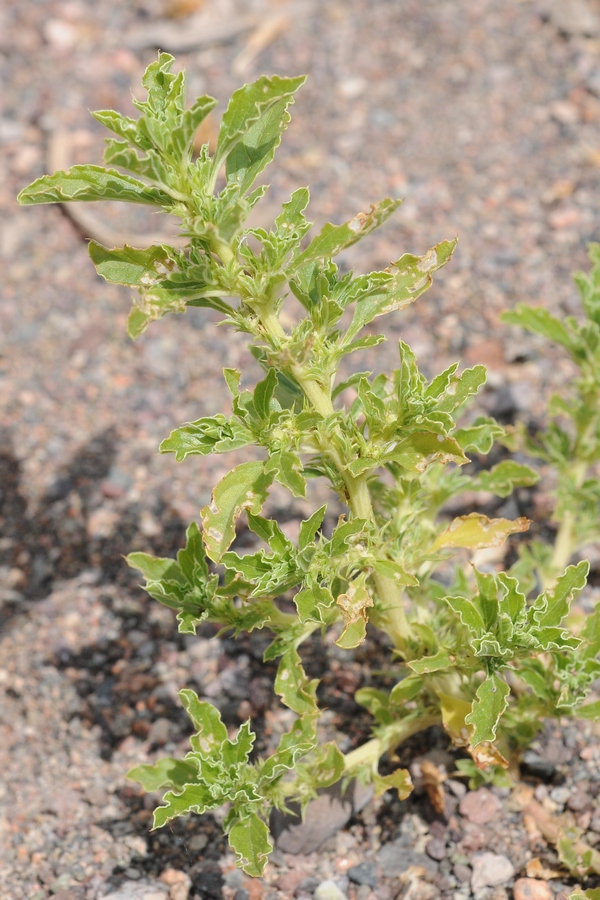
(485, 116)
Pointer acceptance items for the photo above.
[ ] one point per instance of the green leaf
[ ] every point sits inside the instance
(127, 265)
(286, 468)
(491, 701)
(310, 526)
(553, 605)
(334, 238)
(436, 663)
(250, 841)
(216, 434)
(245, 487)
(469, 613)
(419, 450)
(91, 183)
(206, 719)
(406, 280)
(394, 571)
(461, 388)
(167, 772)
(182, 135)
(195, 798)
(479, 436)
(503, 478)
(540, 321)
(292, 685)
(248, 106)
(476, 531)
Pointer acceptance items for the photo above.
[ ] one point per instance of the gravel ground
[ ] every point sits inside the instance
(485, 116)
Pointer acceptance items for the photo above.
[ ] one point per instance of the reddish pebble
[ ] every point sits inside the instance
(479, 807)
(532, 889)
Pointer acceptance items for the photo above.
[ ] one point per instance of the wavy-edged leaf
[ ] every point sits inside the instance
(418, 451)
(216, 434)
(476, 531)
(488, 707)
(399, 780)
(436, 663)
(406, 280)
(88, 183)
(128, 265)
(295, 689)
(167, 772)
(210, 731)
(334, 238)
(195, 798)
(286, 468)
(250, 841)
(540, 321)
(248, 105)
(479, 436)
(245, 487)
(553, 605)
(503, 478)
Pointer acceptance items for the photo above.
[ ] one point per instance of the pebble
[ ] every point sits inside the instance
(328, 890)
(479, 807)
(578, 801)
(363, 873)
(137, 890)
(436, 849)
(395, 858)
(536, 765)
(490, 870)
(531, 889)
(560, 795)
(462, 872)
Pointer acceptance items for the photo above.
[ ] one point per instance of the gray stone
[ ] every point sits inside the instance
(138, 890)
(397, 857)
(490, 870)
(363, 873)
(323, 818)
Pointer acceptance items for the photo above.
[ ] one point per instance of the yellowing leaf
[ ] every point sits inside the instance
(476, 531)
(353, 606)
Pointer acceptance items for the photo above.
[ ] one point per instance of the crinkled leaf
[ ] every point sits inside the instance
(249, 839)
(406, 281)
(206, 719)
(245, 487)
(400, 780)
(167, 772)
(216, 434)
(476, 531)
(127, 265)
(462, 387)
(394, 571)
(419, 450)
(553, 605)
(248, 105)
(292, 685)
(91, 183)
(489, 705)
(310, 526)
(479, 436)
(503, 478)
(334, 238)
(286, 468)
(195, 798)
(353, 605)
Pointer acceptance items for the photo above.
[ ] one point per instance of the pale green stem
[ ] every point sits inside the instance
(389, 738)
(564, 544)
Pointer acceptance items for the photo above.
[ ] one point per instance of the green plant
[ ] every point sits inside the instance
(487, 655)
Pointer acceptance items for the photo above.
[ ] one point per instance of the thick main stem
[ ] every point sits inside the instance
(389, 739)
(564, 544)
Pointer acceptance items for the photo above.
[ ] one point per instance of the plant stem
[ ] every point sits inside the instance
(564, 544)
(390, 737)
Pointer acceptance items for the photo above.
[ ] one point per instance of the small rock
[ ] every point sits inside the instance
(328, 890)
(457, 787)
(178, 882)
(289, 881)
(436, 849)
(323, 818)
(462, 873)
(574, 17)
(62, 883)
(536, 765)
(531, 889)
(560, 795)
(490, 870)
(102, 523)
(159, 733)
(395, 858)
(578, 801)
(137, 890)
(479, 807)
(567, 217)
(234, 879)
(198, 842)
(363, 873)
